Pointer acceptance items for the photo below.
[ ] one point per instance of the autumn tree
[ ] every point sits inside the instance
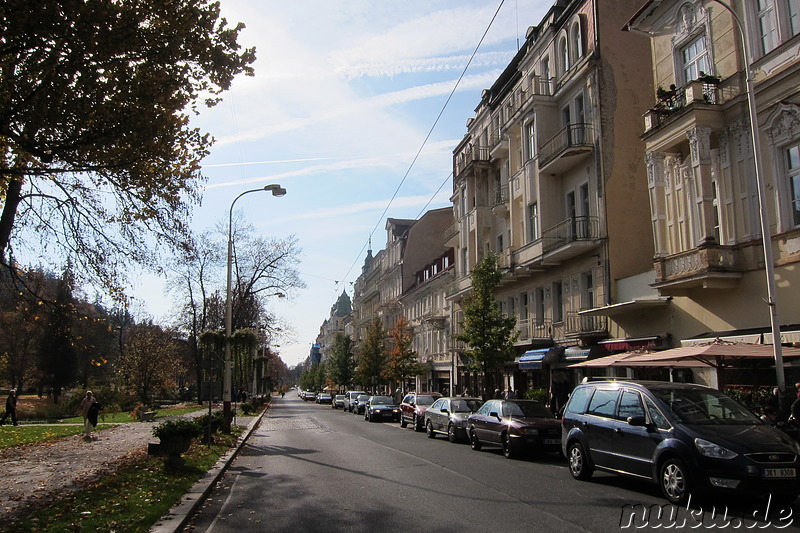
(372, 355)
(488, 333)
(341, 366)
(97, 154)
(152, 360)
(402, 362)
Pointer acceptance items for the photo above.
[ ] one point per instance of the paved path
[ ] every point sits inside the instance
(33, 474)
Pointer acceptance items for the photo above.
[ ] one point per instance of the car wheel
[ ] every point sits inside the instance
(474, 443)
(508, 447)
(451, 433)
(578, 462)
(429, 430)
(403, 422)
(675, 481)
(417, 423)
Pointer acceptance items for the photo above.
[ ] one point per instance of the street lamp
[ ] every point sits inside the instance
(276, 190)
(766, 236)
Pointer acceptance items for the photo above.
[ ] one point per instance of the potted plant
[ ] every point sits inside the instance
(176, 437)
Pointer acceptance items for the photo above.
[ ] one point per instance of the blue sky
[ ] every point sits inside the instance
(343, 97)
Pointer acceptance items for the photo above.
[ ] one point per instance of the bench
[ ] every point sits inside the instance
(147, 416)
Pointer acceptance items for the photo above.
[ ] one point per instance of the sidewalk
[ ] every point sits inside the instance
(35, 473)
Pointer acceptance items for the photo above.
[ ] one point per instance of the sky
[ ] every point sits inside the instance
(344, 95)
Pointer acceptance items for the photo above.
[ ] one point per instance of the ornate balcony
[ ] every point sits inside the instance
(470, 156)
(570, 238)
(710, 266)
(585, 327)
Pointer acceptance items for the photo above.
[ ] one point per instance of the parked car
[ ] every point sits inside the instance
(350, 399)
(687, 438)
(381, 408)
(516, 425)
(338, 402)
(324, 397)
(413, 407)
(360, 404)
(449, 416)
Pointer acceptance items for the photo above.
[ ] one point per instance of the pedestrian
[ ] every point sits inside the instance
(11, 407)
(88, 407)
(497, 394)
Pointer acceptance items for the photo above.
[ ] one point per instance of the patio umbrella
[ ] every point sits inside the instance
(627, 358)
(715, 354)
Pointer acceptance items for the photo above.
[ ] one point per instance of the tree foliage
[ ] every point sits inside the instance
(341, 365)
(489, 333)
(57, 355)
(402, 361)
(372, 355)
(96, 151)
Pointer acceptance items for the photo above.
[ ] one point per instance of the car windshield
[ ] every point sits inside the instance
(705, 406)
(465, 406)
(527, 409)
(425, 400)
(381, 400)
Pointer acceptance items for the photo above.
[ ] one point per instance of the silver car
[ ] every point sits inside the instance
(350, 399)
(448, 416)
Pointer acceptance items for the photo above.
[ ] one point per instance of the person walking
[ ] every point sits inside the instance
(87, 405)
(11, 407)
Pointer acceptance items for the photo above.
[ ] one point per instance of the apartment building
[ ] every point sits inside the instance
(701, 172)
(551, 177)
(337, 322)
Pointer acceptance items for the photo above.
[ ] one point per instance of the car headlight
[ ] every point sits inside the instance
(709, 449)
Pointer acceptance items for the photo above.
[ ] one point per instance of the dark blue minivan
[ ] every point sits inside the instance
(687, 438)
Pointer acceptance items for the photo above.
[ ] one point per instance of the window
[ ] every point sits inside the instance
(603, 403)
(715, 209)
(793, 168)
(767, 29)
(587, 293)
(577, 41)
(563, 55)
(695, 59)
(531, 134)
(533, 217)
(538, 302)
(793, 9)
(546, 76)
(656, 417)
(630, 404)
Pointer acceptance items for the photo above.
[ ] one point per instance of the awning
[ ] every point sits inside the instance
(786, 337)
(753, 338)
(626, 307)
(575, 354)
(629, 345)
(533, 359)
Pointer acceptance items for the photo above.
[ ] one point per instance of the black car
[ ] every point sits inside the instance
(360, 404)
(381, 408)
(516, 425)
(449, 416)
(687, 438)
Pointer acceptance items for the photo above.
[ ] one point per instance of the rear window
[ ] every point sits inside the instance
(578, 400)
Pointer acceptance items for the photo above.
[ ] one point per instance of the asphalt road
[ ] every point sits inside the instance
(309, 469)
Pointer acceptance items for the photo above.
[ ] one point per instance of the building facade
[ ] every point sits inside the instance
(549, 177)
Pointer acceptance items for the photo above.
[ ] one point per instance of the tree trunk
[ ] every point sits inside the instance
(12, 201)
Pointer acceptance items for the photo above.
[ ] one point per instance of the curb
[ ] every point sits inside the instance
(177, 517)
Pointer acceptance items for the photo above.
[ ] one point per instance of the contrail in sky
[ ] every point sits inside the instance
(268, 162)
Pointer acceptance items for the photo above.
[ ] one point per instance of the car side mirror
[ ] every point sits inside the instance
(638, 421)
(444, 410)
(494, 414)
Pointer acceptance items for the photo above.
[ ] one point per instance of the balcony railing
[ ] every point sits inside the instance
(534, 329)
(573, 229)
(469, 155)
(571, 136)
(709, 91)
(695, 264)
(581, 325)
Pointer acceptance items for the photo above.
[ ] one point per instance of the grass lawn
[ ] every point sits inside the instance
(121, 418)
(12, 436)
(131, 500)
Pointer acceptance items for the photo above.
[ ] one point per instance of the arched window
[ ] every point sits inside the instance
(576, 39)
(563, 55)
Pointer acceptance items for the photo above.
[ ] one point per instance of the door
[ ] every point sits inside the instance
(634, 446)
(598, 426)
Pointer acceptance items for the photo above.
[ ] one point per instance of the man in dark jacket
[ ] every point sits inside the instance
(11, 408)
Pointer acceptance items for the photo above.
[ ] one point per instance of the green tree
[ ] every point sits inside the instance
(372, 355)
(341, 366)
(58, 360)
(489, 333)
(402, 362)
(96, 149)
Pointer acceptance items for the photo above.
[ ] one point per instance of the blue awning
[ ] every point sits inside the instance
(574, 353)
(532, 359)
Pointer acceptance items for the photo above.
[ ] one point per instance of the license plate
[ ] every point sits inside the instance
(780, 473)
(552, 441)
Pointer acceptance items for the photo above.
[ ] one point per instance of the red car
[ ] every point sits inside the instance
(413, 407)
(516, 425)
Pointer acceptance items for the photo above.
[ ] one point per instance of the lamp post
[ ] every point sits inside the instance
(276, 190)
(766, 236)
